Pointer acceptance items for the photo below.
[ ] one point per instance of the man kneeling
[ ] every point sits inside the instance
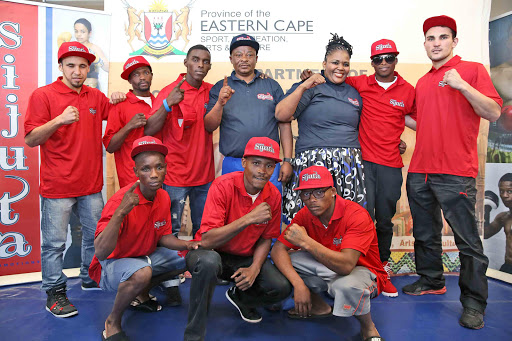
(338, 254)
(241, 216)
(135, 220)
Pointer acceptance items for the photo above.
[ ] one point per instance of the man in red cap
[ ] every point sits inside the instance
(65, 119)
(134, 221)
(450, 99)
(178, 113)
(388, 108)
(242, 215)
(339, 254)
(127, 120)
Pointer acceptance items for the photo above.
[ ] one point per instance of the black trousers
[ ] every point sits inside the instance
(205, 266)
(456, 197)
(383, 190)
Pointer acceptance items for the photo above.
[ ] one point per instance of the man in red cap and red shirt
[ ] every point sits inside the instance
(127, 120)
(65, 119)
(242, 214)
(450, 99)
(178, 113)
(134, 222)
(388, 103)
(339, 254)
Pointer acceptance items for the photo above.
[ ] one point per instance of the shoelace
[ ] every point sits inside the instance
(388, 270)
(62, 299)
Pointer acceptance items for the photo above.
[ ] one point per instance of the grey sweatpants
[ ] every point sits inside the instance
(351, 293)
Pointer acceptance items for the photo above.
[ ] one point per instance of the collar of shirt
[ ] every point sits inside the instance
(64, 89)
(239, 183)
(452, 62)
(186, 86)
(130, 96)
(142, 198)
(256, 76)
(399, 80)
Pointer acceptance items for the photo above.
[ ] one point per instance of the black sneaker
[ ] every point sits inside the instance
(173, 296)
(90, 286)
(248, 314)
(472, 319)
(420, 288)
(58, 304)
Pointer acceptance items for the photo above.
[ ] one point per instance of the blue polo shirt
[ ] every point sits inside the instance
(328, 117)
(250, 112)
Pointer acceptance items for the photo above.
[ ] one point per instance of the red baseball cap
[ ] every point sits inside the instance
(383, 46)
(148, 144)
(264, 147)
(132, 64)
(441, 20)
(315, 177)
(74, 48)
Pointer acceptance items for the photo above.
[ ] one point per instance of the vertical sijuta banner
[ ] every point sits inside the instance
(19, 172)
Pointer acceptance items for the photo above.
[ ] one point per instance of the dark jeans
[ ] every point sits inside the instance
(456, 196)
(383, 189)
(205, 265)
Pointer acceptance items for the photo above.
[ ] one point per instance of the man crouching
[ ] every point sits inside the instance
(133, 223)
(339, 254)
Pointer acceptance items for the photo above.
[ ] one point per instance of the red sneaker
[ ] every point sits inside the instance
(389, 289)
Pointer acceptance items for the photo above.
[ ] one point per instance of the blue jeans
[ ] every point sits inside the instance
(178, 195)
(55, 215)
(234, 164)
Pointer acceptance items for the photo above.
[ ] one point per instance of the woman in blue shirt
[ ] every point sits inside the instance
(327, 111)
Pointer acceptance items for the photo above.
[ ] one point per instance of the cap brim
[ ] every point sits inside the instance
(126, 73)
(377, 54)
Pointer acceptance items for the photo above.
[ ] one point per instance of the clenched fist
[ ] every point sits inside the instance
(260, 214)
(69, 115)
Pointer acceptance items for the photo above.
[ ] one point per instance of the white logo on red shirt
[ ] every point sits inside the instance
(262, 148)
(353, 101)
(382, 47)
(264, 97)
(92, 111)
(159, 224)
(395, 103)
(337, 241)
(314, 175)
(442, 84)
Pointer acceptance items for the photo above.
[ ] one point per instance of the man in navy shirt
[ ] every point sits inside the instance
(250, 111)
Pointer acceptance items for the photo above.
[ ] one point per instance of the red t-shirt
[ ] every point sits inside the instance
(447, 125)
(119, 116)
(71, 159)
(228, 201)
(140, 230)
(190, 158)
(383, 118)
(350, 227)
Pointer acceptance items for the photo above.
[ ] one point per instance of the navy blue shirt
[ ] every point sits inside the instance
(328, 116)
(250, 112)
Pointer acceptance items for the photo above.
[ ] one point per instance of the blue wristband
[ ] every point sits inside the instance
(166, 106)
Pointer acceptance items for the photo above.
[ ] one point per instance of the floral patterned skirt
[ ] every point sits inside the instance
(346, 167)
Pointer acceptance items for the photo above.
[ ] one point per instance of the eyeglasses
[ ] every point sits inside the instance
(390, 58)
(317, 193)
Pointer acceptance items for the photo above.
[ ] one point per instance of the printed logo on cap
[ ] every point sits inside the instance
(146, 142)
(131, 64)
(307, 177)
(76, 49)
(382, 47)
(395, 103)
(263, 148)
(243, 38)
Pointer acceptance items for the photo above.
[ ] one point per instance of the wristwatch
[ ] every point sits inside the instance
(287, 159)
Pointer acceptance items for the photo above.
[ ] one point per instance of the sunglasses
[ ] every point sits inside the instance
(317, 193)
(390, 58)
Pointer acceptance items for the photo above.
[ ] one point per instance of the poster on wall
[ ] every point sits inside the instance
(30, 35)
(292, 40)
(498, 183)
